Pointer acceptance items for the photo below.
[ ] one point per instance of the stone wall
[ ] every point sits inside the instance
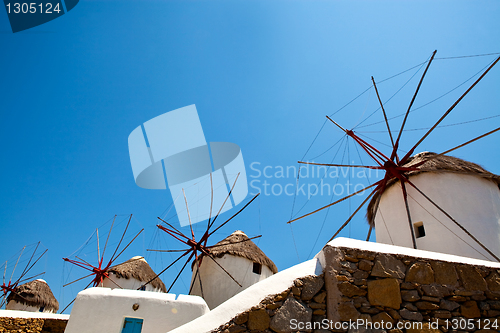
(381, 289)
(32, 325)
(305, 301)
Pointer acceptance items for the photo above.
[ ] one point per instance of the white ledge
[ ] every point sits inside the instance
(393, 249)
(27, 314)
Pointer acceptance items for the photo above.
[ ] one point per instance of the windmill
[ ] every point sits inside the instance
(99, 271)
(14, 280)
(198, 248)
(398, 170)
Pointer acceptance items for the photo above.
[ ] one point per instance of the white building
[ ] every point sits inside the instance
(464, 190)
(120, 310)
(34, 296)
(133, 274)
(239, 256)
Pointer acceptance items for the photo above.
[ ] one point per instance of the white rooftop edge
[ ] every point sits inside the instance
(284, 279)
(27, 314)
(393, 249)
(249, 297)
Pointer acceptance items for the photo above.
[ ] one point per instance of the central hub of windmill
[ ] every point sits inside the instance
(196, 246)
(391, 169)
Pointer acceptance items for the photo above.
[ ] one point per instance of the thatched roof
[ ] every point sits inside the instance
(35, 293)
(238, 244)
(139, 269)
(442, 163)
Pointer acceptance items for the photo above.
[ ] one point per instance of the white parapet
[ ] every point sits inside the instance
(27, 315)
(251, 296)
(105, 310)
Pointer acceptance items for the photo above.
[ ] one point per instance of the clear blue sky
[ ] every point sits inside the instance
(263, 74)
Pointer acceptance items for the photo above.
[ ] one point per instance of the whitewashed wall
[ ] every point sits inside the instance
(16, 306)
(104, 310)
(218, 286)
(472, 201)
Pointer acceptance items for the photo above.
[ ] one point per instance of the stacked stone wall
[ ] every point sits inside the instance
(385, 292)
(32, 325)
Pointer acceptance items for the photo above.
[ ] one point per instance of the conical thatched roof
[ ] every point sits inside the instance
(36, 293)
(238, 244)
(139, 269)
(440, 164)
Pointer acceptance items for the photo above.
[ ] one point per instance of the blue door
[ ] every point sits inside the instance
(132, 325)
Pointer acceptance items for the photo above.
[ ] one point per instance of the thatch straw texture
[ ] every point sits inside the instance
(439, 164)
(238, 244)
(139, 269)
(36, 293)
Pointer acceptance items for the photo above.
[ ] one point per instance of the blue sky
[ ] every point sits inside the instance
(263, 74)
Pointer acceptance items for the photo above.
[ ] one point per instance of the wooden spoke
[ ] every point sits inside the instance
(133, 239)
(224, 203)
(67, 306)
(17, 262)
(168, 250)
(121, 239)
(248, 203)
(396, 145)
(410, 152)
(157, 275)
(109, 233)
(229, 274)
(114, 282)
(67, 284)
(335, 202)
(175, 280)
(453, 220)
(385, 116)
(405, 197)
(464, 144)
(343, 165)
(369, 233)
(189, 216)
(352, 215)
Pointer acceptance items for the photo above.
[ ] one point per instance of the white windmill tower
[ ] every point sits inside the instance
(241, 258)
(464, 211)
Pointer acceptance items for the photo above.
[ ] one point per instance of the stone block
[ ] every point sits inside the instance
(387, 265)
(291, 309)
(384, 292)
(445, 273)
(258, 320)
(420, 273)
(312, 284)
(471, 278)
(470, 310)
